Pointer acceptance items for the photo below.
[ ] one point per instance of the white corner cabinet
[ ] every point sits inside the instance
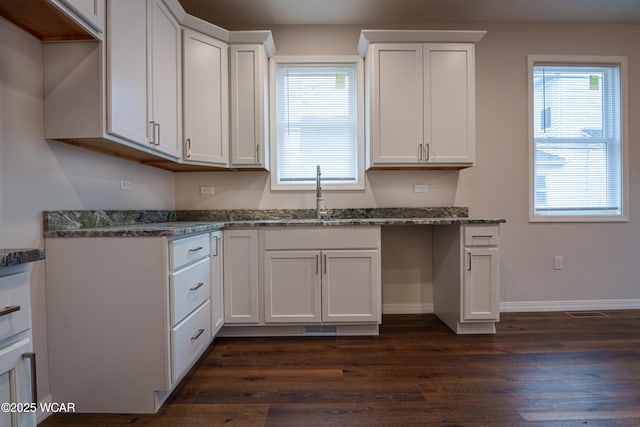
(121, 95)
(305, 281)
(17, 360)
(128, 317)
(420, 91)
(466, 277)
(250, 103)
(206, 99)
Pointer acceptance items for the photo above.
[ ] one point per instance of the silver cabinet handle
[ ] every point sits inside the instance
(153, 132)
(198, 286)
(481, 236)
(199, 248)
(188, 147)
(427, 152)
(196, 336)
(468, 261)
(420, 152)
(157, 126)
(215, 246)
(257, 153)
(34, 379)
(325, 263)
(317, 262)
(8, 310)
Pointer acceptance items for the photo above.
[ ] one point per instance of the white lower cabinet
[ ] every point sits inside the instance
(127, 318)
(17, 360)
(466, 277)
(332, 284)
(351, 286)
(217, 278)
(241, 293)
(292, 286)
(321, 286)
(480, 281)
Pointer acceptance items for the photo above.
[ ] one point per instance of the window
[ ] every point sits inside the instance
(317, 119)
(577, 134)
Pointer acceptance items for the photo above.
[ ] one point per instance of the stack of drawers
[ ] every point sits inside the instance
(190, 301)
(17, 362)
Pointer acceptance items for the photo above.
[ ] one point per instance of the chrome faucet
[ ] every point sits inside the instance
(318, 192)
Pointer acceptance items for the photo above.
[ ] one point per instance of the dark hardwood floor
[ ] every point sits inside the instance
(540, 369)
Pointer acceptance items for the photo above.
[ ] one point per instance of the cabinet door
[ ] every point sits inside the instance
(396, 92)
(165, 78)
(127, 71)
(206, 99)
(449, 103)
(16, 375)
(249, 107)
(292, 286)
(351, 286)
(217, 293)
(241, 276)
(480, 287)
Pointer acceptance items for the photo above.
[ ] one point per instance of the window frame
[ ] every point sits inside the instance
(580, 60)
(273, 132)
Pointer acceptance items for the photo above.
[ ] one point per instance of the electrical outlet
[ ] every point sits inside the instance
(207, 190)
(125, 185)
(420, 188)
(558, 262)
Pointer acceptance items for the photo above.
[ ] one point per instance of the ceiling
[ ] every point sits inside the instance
(250, 14)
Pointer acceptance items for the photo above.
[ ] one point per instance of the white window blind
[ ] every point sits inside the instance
(577, 133)
(317, 123)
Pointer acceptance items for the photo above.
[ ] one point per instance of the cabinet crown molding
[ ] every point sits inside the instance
(417, 36)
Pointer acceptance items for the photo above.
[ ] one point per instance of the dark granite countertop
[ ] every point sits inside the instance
(190, 222)
(9, 257)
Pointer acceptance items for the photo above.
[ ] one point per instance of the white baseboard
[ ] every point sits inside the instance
(40, 416)
(574, 305)
(527, 306)
(407, 308)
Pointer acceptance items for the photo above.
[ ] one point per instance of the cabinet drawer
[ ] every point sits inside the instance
(189, 288)
(338, 237)
(189, 249)
(15, 305)
(480, 235)
(189, 339)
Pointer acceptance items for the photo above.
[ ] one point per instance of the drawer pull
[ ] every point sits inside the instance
(34, 380)
(10, 309)
(199, 248)
(198, 286)
(487, 236)
(196, 336)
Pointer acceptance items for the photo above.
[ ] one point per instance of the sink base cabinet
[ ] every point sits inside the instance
(127, 318)
(465, 277)
(308, 281)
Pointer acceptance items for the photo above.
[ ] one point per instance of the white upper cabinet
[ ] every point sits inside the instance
(165, 78)
(121, 95)
(143, 68)
(127, 71)
(248, 105)
(206, 99)
(143, 65)
(421, 98)
(249, 100)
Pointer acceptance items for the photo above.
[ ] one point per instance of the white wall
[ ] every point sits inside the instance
(600, 259)
(37, 175)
